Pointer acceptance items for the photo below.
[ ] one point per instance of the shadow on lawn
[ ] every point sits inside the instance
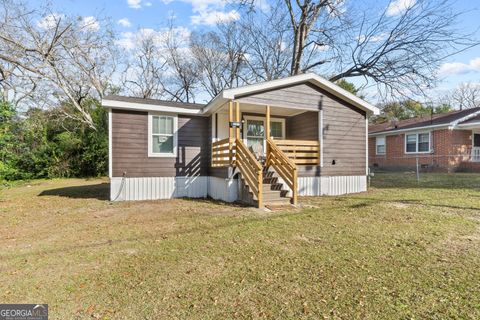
(96, 191)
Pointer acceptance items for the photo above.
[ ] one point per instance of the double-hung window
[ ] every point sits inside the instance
(417, 142)
(380, 145)
(162, 135)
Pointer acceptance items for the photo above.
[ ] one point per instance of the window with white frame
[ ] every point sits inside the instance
(417, 142)
(380, 145)
(162, 139)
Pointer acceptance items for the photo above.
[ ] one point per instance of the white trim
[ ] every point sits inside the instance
(110, 156)
(151, 154)
(320, 135)
(417, 141)
(148, 107)
(381, 133)
(465, 118)
(366, 146)
(248, 117)
(231, 94)
(384, 144)
(472, 125)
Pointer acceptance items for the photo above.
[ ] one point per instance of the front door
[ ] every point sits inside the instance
(254, 132)
(476, 140)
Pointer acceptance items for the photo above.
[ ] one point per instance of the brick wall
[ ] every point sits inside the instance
(451, 151)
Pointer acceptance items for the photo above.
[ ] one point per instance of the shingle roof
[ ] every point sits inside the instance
(195, 106)
(425, 121)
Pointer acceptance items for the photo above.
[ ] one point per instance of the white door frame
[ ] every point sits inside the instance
(259, 118)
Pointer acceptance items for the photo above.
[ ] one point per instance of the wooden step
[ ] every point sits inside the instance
(272, 186)
(279, 201)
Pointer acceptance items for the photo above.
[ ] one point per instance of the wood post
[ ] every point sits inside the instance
(260, 188)
(295, 187)
(230, 132)
(237, 119)
(267, 122)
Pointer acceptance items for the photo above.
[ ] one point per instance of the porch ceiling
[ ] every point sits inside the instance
(260, 109)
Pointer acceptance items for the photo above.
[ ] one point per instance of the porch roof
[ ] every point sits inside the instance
(132, 103)
(332, 88)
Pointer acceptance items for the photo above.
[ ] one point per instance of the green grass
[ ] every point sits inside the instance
(401, 250)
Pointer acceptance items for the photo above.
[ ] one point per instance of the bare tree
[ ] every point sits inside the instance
(220, 58)
(267, 36)
(73, 55)
(403, 52)
(183, 72)
(143, 75)
(465, 96)
(399, 47)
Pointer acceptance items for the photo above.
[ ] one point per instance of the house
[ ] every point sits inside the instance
(263, 143)
(443, 142)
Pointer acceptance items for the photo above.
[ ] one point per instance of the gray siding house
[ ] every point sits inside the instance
(263, 144)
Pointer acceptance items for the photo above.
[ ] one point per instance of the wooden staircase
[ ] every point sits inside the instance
(273, 182)
(273, 191)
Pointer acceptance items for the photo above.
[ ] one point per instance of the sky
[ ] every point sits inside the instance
(129, 16)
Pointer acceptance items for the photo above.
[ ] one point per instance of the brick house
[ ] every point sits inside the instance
(440, 142)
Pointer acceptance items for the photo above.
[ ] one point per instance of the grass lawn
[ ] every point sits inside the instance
(402, 250)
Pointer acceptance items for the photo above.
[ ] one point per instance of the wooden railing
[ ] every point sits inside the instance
(251, 170)
(302, 152)
(223, 153)
(284, 167)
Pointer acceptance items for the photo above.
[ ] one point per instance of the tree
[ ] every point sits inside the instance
(219, 58)
(406, 109)
(61, 57)
(398, 47)
(465, 96)
(350, 87)
(184, 73)
(143, 76)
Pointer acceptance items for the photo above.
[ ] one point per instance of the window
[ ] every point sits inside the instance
(411, 143)
(380, 145)
(255, 132)
(417, 143)
(162, 140)
(276, 129)
(423, 142)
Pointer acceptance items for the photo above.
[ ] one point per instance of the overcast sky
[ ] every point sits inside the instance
(129, 16)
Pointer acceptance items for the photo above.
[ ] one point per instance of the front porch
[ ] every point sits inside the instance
(266, 145)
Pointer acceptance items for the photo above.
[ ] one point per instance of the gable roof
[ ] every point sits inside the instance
(448, 119)
(131, 103)
(155, 102)
(316, 80)
(145, 104)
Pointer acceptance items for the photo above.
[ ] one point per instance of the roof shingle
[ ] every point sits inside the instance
(419, 122)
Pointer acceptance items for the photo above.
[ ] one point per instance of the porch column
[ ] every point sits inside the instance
(237, 119)
(267, 122)
(230, 131)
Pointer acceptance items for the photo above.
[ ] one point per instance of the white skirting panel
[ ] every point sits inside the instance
(331, 186)
(223, 189)
(153, 188)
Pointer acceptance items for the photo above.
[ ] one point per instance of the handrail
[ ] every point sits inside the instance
(302, 152)
(223, 153)
(284, 167)
(251, 170)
